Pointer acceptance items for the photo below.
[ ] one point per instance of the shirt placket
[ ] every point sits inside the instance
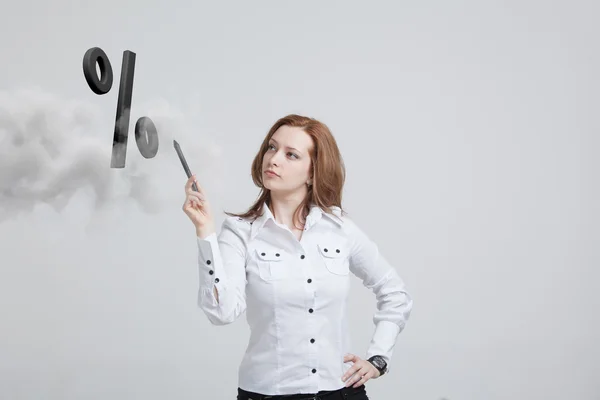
(311, 317)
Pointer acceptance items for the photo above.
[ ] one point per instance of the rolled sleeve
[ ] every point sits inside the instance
(221, 265)
(394, 303)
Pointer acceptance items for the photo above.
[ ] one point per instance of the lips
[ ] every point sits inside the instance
(270, 173)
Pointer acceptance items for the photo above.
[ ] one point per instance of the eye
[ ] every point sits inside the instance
(269, 147)
(293, 155)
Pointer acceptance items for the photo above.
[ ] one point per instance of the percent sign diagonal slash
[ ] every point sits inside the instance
(146, 136)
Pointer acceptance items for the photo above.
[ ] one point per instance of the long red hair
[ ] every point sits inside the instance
(328, 170)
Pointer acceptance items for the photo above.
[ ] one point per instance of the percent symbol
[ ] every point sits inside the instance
(146, 136)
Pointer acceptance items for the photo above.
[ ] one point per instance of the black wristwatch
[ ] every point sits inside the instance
(379, 363)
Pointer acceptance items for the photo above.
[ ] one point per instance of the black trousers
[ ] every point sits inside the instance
(345, 393)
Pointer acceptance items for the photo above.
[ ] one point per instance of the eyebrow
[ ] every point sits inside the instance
(287, 147)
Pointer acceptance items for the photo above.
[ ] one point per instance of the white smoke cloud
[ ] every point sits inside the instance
(52, 147)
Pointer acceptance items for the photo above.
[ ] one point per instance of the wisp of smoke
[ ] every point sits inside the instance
(51, 148)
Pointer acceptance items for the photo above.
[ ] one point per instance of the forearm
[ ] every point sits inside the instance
(394, 305)
(221, 279)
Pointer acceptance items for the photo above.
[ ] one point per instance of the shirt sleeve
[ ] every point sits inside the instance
(394, 303)
(222, 265)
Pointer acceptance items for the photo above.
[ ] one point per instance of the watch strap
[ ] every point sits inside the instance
(375, 360)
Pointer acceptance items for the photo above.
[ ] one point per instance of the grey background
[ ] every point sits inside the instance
(470, 135)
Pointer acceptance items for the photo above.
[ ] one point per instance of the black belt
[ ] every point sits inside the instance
(324, 394)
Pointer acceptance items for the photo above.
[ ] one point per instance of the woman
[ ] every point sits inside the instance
(286, 262)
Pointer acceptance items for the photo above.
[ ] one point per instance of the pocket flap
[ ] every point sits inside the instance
(332, 250)
(269, 254)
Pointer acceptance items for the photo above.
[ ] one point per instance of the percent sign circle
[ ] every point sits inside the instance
(146, 136)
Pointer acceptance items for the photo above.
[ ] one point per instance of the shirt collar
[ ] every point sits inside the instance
(314, 215)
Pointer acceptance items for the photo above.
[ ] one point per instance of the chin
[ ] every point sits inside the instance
(284, 191)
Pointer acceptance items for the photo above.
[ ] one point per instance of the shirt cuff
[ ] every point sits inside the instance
(209, 265)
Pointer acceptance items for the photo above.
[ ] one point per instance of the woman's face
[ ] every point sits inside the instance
(287, 156)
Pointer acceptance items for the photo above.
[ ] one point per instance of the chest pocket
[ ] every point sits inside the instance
(273, 264)
(335, 256)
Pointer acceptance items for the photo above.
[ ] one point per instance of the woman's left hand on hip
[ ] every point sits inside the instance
(360, 372)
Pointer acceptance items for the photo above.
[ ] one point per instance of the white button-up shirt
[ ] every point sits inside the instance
(294, 294)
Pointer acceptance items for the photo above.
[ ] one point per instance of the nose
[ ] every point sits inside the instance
(274, 159)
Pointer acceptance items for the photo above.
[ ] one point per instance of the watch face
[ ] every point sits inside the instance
(379, 362)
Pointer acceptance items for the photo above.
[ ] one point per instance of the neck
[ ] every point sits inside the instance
(284, 205)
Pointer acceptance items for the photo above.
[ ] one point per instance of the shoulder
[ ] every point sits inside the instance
(354, 232)
(342, 223)
(240, 226)
(343, 219)
(333, 214)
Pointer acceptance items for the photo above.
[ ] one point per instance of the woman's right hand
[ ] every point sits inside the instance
(197, 208)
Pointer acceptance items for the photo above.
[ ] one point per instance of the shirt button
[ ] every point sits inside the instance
(325, 250)
(302, 256)
(211, 272)
(312, 340)
(337, 250)
(262, 254)
(309, 280)
(310, 310)
(314, 371)
(216, 280)
(276, 254)
(208, 262)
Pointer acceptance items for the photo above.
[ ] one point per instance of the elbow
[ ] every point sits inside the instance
(403, 306)
(216, 315)
(404, 310)
(406, 303)
(394, 306)
(218, 320)
(399, 297)
(220, 312)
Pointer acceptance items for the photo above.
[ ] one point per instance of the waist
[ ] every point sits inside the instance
(271, 373)
(341, 393)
